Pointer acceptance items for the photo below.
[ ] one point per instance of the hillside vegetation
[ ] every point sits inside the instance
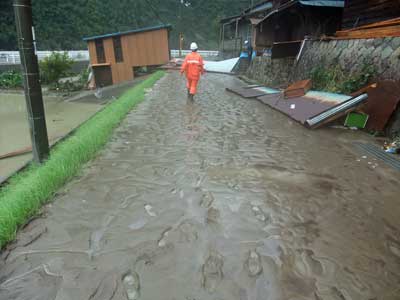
(60, 24)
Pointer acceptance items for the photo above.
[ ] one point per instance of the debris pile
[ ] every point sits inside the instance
(393, 147)
(370, 108)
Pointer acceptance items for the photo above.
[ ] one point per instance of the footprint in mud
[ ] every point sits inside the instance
(162, 242)
(307, 265)
(259, 214)
(253, 264)
(106, 289)
(131, 284)
(212, 272)
(212, 215)
(207, 200)
(188, 232)
(149, 209)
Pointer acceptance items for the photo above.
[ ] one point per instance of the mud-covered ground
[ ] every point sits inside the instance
(220, 199)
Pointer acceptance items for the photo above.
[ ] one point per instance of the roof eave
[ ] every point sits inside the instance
(139, 30)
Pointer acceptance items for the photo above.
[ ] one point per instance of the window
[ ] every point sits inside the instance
(118, 49)
(101, 57)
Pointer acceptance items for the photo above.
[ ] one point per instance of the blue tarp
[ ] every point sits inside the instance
(331, 3)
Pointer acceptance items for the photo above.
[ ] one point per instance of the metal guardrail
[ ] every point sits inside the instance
(12, 57)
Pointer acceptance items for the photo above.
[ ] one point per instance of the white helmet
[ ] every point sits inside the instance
(193, 46)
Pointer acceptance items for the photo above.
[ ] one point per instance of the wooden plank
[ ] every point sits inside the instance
(395, 21)
(298, 89)
(371, 33)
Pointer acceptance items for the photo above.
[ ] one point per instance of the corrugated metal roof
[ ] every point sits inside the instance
(331, 3)
(138, 30)
(260, 8)
(322, 3)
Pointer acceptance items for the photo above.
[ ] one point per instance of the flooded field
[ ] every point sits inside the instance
(222, 198)
(62, 117)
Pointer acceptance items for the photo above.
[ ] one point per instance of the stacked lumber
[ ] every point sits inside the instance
(362, 12)
(298, 89)
(376, 30)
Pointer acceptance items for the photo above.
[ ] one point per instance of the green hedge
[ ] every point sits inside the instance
(28, 191)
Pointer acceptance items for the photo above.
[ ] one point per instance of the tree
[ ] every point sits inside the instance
(61, 25)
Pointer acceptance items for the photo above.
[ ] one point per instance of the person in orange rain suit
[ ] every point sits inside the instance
(193, 67)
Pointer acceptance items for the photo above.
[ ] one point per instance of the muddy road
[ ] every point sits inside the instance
(220, 199)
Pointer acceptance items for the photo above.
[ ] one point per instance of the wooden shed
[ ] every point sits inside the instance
(114, 57)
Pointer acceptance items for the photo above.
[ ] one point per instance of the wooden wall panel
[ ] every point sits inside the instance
(92, 52)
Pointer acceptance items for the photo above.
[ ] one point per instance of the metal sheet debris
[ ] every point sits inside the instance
(299, 108)
(334, 112)
(383, 99)
(255, 92)
(224, 66)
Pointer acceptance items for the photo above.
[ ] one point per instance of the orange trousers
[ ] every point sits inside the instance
(191, 85)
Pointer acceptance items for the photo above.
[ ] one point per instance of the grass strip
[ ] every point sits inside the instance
(30, 189)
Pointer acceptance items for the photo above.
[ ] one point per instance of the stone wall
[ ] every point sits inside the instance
(271, 72)
(384, 53)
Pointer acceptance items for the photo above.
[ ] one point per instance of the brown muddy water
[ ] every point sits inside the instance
(61, 116)
(218, 199)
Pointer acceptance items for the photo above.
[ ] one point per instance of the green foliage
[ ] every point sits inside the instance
(29, 190)
(197, 21)
(11, 79)
(334, 79)
(70, 85)
(54, 67)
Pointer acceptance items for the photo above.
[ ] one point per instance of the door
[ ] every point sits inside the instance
(102, 76)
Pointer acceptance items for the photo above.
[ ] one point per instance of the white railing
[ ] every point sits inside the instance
(12, 57)
(205, 53)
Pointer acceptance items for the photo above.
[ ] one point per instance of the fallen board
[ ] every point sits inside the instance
(252, 92)
(299, 108)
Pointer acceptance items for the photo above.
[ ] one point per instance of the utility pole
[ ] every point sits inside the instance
(180, 28)
(30, 72)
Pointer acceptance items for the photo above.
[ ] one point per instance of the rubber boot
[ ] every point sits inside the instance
(188, 93)
(191, 97)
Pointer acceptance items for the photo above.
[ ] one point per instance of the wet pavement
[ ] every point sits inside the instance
(222, 198)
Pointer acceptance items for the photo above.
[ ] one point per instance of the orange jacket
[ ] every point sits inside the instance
(193, 66)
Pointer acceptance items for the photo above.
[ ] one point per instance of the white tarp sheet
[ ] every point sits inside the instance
(224, 66)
